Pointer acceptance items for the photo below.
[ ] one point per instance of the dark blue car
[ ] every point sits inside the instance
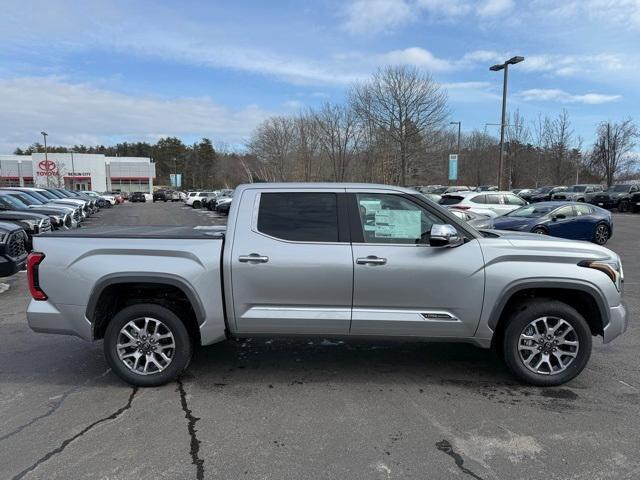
(573, 220)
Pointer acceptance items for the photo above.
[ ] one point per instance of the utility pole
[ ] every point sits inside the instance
(495, 68)
(46, 158)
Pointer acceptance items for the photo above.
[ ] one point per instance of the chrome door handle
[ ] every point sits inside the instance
(253, 258)
(371, 260)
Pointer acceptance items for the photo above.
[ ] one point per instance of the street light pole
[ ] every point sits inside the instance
(495, 68)
(46, 158)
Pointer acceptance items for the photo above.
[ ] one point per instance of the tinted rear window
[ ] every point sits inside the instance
(301, 217)
(450, 200)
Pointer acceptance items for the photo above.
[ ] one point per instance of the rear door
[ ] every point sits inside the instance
(291, 263)
(402, 285)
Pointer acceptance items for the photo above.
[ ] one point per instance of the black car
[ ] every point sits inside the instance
(160, 196)
(32, 223)
(137, 197)
(635, 202)
(60, 217)
(616, 196)
(13, 248)
(544, 194)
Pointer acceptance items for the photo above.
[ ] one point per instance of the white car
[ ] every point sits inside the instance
(492, 204)
(195, 198)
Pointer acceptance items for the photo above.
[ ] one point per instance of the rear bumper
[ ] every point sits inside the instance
(618, 322)
(45, 317)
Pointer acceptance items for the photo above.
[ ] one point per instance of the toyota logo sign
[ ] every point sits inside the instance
(47, 168)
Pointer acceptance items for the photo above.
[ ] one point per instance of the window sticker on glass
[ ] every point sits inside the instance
(398, 224)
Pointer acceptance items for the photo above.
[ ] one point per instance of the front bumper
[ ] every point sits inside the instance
(618, 322)
(9, 267)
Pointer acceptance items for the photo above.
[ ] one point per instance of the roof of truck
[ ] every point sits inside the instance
(323, 185)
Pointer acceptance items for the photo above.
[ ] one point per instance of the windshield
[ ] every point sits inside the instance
(11, 201)
(619, 188)
(26, 199)
(531, 211)
(578, 188)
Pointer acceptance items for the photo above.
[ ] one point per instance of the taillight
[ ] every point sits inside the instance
(33, 261)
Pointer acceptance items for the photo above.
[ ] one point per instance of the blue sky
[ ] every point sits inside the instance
(105, 71)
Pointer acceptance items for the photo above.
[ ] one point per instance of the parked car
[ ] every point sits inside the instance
(119, 197)
(476, 220)
(492, 204)
(137, 197)
(544, 194)
(176, 196)
(224, 205)
(13, 248)
(486, 188)
(160, 196)
(103, 200)
(59, 217)
(635, 202)
(456, 188)
(46, 199)
(578, 193)
(32, 223)
(327, 260)
(524, 193)
(195, 198)
(575, 221)
(89, 203)
(616, 196)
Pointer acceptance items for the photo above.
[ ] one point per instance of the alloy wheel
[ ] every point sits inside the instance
(146, 346)
(548, 345)
(602, 234)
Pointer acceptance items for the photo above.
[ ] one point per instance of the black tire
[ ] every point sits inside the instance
(197, 204)
(601, 234)
(522, 317)
(623, 206)
(540, 231)
(181, 354)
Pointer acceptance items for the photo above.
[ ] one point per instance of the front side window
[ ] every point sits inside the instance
(566, 211)
(394, 219)
(300, 217)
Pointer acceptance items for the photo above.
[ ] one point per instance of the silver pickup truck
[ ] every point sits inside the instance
(328, 260)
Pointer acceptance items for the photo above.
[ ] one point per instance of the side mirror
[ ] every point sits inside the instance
(443, 235)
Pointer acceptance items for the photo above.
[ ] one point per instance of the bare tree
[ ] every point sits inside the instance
(518, 137)
(405, 104)
(338, 136)
(611, 153)
(273, 143)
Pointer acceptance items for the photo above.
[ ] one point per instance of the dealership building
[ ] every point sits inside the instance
(80, 171)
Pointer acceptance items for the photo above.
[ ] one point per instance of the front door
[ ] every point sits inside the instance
(402, 285)
(291, 263)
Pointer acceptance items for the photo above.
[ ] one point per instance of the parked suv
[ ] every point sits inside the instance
(195, 199)
(160, 196)
(578, 193)
(13, 249)
(635, 202)
(138, 197)
(544, 194)
(492, 204)
(616, 196)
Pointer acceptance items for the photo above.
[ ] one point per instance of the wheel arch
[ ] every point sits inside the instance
(585, 298)
(114, 292)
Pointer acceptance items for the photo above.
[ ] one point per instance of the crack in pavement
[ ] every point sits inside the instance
(65, 443)
(191, 427)
(445, 446)
(52, 409)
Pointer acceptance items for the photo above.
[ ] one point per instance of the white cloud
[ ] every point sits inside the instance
(557, 95)
(567, 65)
(374, 16)
(492, 8)
(416, 56)
(81, 113)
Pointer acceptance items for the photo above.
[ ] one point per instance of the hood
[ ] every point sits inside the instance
(512, 223)
(21, 215)
(60, 212)
(6, 227)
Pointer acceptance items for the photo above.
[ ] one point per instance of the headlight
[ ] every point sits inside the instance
(611, 268)
(33, 224)
(57, 219)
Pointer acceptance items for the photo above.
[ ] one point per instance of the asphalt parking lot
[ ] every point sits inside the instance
(313, 408)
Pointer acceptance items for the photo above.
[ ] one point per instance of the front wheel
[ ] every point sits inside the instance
(196, 204)
(147, 345)
(547, 343)
(623, 206)
(539, 231)
(601, 234)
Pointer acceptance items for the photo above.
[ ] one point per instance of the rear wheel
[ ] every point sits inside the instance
(547, 343)
(147, 345)
(601, 234)
(197, 204)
